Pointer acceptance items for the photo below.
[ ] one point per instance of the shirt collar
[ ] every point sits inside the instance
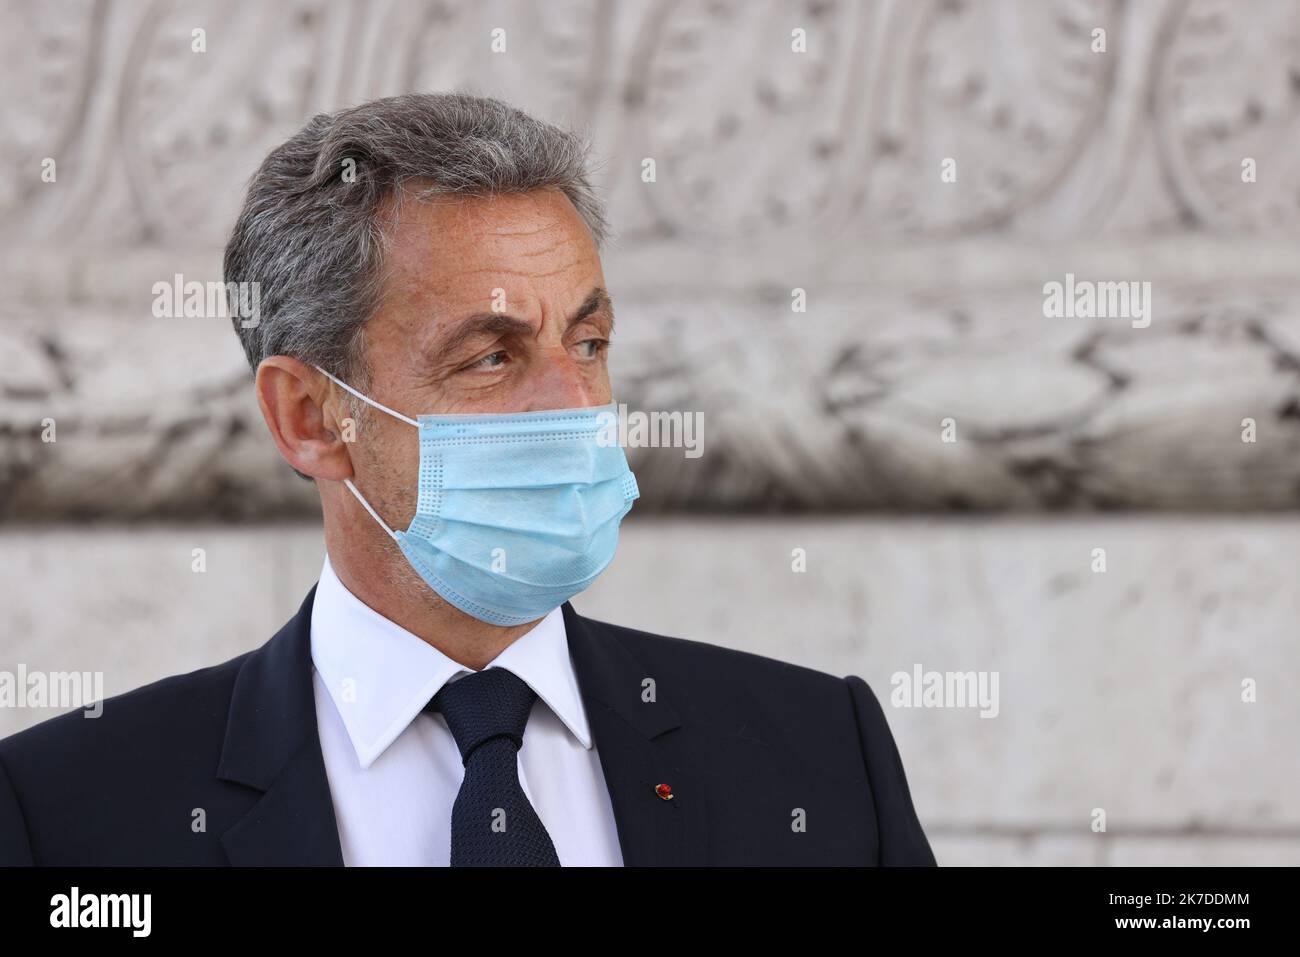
(380, 676)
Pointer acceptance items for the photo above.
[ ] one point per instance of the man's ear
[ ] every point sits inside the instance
(304, 416)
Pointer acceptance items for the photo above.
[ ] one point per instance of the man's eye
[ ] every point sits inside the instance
(593, 347)
(490, 362)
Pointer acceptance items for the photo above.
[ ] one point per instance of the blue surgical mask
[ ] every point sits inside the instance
(517, 513)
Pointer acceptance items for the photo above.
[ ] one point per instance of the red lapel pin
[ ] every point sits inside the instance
(665, 791)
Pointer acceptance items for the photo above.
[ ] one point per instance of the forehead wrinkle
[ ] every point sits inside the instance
(520, 232)
(507, 271)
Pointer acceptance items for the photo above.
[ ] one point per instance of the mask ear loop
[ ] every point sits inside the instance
(383, 408)
(366, 399)
(373, 514)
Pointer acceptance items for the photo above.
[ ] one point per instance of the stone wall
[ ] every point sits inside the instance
(775, 171)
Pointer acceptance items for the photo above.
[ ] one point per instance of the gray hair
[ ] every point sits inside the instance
(311, 236)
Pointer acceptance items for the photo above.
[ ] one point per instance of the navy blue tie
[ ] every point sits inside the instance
(492, 822)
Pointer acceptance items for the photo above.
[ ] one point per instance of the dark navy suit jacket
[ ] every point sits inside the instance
(743, 741)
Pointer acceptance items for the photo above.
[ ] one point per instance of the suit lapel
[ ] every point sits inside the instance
(272, 745)
(640, 747)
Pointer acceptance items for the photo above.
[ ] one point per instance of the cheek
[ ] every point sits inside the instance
(392, 463)
(600, 389)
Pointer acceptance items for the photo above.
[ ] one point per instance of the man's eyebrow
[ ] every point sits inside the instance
(596, 300)
(502, 324)
(483, 323)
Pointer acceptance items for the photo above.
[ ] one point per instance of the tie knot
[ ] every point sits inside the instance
(487, 704)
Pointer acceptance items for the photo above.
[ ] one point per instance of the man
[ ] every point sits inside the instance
(431, 351)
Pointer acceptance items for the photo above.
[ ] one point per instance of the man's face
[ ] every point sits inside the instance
(489, 305)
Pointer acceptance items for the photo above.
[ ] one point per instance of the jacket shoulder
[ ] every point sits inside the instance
(826, 727)
(734, 693)
(137, 723)
(689, 653)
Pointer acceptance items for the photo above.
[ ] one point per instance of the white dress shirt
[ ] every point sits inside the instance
(394, 771)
